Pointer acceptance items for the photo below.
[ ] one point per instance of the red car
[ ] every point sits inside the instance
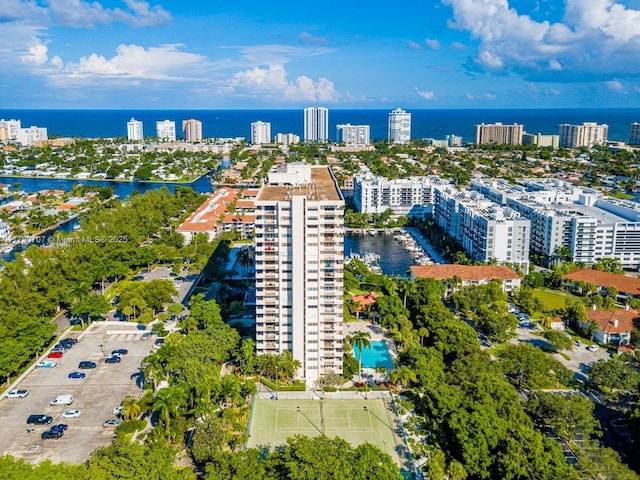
(55, 355)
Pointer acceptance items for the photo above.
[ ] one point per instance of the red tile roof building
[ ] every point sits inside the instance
(469, 274)
(227, 209)
(624, 284)
(614, 326)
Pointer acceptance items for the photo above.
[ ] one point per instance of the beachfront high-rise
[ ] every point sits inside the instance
(353, 134)
(399, 126)
(634, 135)
(316, 124)
(134, 130)
(192, 130)
(499, 134)
(166, 131)
(260, 132)
(298, 261)
(587, 135)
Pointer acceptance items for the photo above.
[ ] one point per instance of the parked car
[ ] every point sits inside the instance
(158, 343)
(593, 348)
(111, 423)
(69, 341)
(114, 359)
(55, 354)
(120, 351)
(86, 365)
(65, 399)
(145, 336)
(39, 419)
(61, 347)
(52, 434)
(61, 427)
(47, 364)
(71, 414)
(77, 375)
(117, 411)
(17, 393)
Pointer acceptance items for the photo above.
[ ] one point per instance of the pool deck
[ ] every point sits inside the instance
(377, 334)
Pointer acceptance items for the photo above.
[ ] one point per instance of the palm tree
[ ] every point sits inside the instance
(166, 404)
(245, 260)
(403, 376)
(131, 409)
(360, 340)
(229, 390)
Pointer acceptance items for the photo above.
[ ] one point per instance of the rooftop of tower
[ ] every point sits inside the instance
(316, 182)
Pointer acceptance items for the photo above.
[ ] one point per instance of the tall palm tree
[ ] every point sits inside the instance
(360, 340)
(166, 404)
(245, 260)
(403, 376)
(131, 408)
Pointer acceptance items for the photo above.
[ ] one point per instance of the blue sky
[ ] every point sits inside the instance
(245, 54)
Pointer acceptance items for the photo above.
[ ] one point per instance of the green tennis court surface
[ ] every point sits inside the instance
(356, 420)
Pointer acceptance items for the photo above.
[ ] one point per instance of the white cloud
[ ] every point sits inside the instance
(165, 62)
(273, 81)
(37, 55)
(457, 46)
(426, 94)
(82, 14)
(433, 44)
(595, 37)
(413, 45)
(615, 85)
(484, 96)
(307, 38)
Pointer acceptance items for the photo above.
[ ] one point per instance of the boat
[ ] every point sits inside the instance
(372, 232)
(6, 248)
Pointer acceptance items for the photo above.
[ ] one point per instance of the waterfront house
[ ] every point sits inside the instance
(465, 275)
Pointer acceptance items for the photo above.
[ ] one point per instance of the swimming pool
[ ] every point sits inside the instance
(377, 355)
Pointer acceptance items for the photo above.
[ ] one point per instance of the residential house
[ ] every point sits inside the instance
(469, 274)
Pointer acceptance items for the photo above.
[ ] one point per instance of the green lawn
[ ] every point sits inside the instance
(552, 299)
(356, 420)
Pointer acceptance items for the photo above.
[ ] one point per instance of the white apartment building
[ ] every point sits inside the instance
(634, 134)
(9, 129)
(590, 225)
(166, 130)
(485, 230)
(316, 124)
(5, 232)
(287, 139)
(399, 126)
(353, 134)
(260, 132)
(134, 130)
(192, 130)
(411, 196)
(299, 260)
(541, 140)
(28, 137)
(499, 134)
(587, 135)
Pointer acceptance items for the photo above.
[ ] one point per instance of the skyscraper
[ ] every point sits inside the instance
(166, 131)
(634, 135)
(399, 126)
(586, 135)
(134, 130)
(260, 132)
(316, 124)
(192, 130)
(299, 261)
(353, 134)
(498, 134)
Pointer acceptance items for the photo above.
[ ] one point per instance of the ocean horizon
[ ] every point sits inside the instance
(426, 123)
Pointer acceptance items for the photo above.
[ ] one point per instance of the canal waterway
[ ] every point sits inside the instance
(394, 259)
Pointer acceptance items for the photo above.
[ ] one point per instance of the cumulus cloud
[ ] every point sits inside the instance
(82, 14)
(413, 45)
(308, 39)
(615, 85)
(426, 94)
(484, 96)
(595, 37)
(433, 44)
(273, 81)
(164, 62)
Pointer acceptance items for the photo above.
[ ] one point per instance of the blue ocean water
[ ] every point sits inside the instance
(237, 123)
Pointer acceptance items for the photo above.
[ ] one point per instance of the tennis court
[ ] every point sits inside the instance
(356, 420)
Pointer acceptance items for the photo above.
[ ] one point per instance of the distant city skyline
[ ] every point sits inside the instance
(449, 54)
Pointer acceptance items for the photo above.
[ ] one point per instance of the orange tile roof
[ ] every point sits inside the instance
(364, 300)
(623, 283)
(606, 320)
(465, 272)
(206, 217)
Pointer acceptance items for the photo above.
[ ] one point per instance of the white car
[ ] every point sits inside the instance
(117, 411)
(15, 393)
(593, 348)
(71, 414)
(47, 364)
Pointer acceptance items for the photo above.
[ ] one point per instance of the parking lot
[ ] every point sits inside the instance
(96, 395)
